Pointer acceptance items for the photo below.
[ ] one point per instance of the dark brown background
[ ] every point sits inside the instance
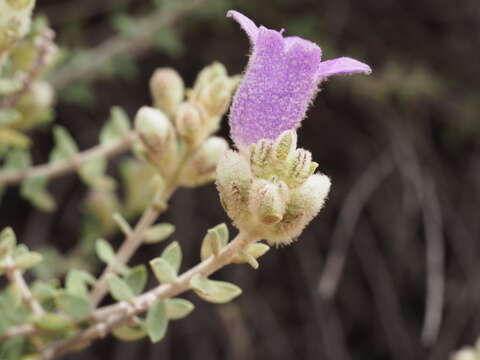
(400, 146)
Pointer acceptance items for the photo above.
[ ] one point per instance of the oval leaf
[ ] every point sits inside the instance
(157, 321)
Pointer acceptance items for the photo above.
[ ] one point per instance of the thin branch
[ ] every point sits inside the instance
(15, 277)
(356, 200)
(60, 168)
(120, 313)
(20, 330)
(45, 46)
(132, 44)
(135, 239)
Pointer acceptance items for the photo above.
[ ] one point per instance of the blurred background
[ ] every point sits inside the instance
(390, 269)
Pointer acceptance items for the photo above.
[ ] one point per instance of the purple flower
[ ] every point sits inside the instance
(281, 79)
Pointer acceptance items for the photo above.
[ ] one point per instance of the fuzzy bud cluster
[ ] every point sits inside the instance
(272, 188)
(197, 112)
(158, 139)
(15, 20)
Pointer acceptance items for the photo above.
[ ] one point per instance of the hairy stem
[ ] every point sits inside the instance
(120, 313)
(134, 240)
(60, 168)
(15, 277)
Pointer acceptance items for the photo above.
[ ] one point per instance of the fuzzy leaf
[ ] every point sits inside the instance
(178, 308)
(158, 233)
(131, 332)
(173, 255)
(218, 292)
(137, 279)
(7, 241)
(163, 270)
(76, 282)
(105, 251)
(53, 322)
(28, 260)
(65, 147)
(78, 307)
(157, 321)
(214, 241)
(116, 127)
(34, 190)
(119, 288)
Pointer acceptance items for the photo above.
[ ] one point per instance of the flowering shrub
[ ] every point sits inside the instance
(269, 188)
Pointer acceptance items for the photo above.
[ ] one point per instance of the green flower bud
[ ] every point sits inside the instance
(201, 168)
(268, 201)
(168, 90)
(158, 139)
(190, 123)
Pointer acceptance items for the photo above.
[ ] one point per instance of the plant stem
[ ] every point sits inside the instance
(120, 313)
(15, 277)
(60, 168)
(134, 240)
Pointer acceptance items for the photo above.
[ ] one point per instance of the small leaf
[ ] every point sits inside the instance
(243, 256)
(65, 147)
(158, 233)
(17, 159)
(257, 250)
(131, 332)
(178, 308)
(119, 289)
(93, 173)
(53, 322)
(173, 255)
(122, 224)
(157, 321)
(105, 251)
(214, 291)
(43, 290)
(137, 279)
(34, 190)
(76, 282)
(163, 270)
(77, 307)
(7, 241)
(28, 260)
(12, 297)
(116, 127)
(214, 241)
(14, 138)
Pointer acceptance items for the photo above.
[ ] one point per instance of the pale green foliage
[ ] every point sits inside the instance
(214, 291)
(157, 321)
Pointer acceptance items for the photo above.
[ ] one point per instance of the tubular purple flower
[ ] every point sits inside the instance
(281, 79)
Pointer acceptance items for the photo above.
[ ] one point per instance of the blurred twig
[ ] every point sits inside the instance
(60, 168)
(356, 200)
(132, 44)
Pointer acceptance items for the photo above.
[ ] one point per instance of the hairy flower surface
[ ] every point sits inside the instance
(281, 79)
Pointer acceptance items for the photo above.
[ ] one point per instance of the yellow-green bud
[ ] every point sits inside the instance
(268, 201)
(201, 168)
(190, 123)
(158, 137)
(168, 90)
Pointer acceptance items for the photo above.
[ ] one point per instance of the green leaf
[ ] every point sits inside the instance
(137, 279)
(119, 288)
(17, 159)
(34, 190)
(105, 251)
(93, 173)
(157, 321)
(53, 322)
(214, 291)
(122, 224)
(7, 241)
(78, 307)
(131, 332)
(12, 297)
(43, 290)
(163, 270)
(28, 260)
(173, 255)
(76, 282)
(65, 147)
(178, 308)
(116, 127)
(214, 241)
(158, 233)
(257, 250)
